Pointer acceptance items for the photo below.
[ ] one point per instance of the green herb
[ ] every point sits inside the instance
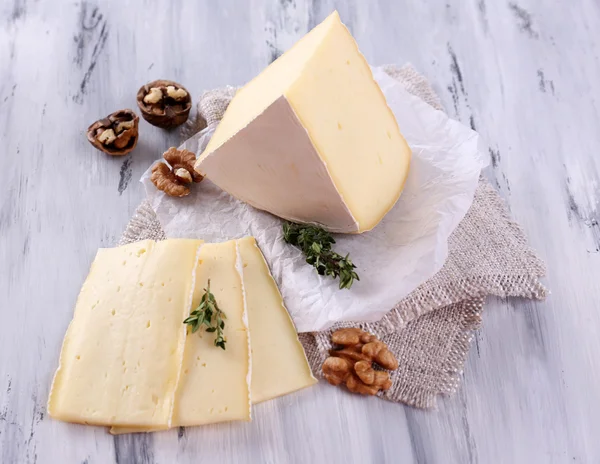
(316, 243)
(204, 314)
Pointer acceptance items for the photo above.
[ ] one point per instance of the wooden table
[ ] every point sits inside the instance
(526, 75)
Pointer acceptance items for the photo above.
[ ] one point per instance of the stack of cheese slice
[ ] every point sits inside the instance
(128, 361)
(311, 139)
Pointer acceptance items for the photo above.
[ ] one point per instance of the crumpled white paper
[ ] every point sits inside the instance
(407, 248)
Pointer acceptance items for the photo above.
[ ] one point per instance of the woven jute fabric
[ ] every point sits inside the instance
(430, 330)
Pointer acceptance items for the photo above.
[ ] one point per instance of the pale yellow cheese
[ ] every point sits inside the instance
(311, 139)
(122, 353)
(215, 383)
(279, 365)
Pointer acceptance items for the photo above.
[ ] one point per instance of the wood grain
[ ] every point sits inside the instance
(523, 73)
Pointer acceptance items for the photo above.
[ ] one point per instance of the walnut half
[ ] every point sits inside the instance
(174, 179)
(352, 364)
(116, 134)
(164, 103)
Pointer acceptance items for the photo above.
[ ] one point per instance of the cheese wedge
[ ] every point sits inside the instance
(311, 139)
(279, 365)
(122, 353)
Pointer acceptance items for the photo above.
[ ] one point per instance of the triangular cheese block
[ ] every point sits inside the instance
(311, 139)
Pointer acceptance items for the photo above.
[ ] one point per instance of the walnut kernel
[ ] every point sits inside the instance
(183, 175)
(352, 364)
(154, 96)
(336, 370)
(107, 137)
(164, 179)
(176, 94)
(173, 179)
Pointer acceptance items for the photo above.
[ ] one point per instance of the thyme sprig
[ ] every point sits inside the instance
(315, 244)
(204, 314)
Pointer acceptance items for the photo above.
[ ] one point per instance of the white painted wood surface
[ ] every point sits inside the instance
(525, 74)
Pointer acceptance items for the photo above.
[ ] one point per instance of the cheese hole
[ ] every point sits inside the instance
(339, 126)
(155, 399)
(379, 158)
(78, 357)
(186, 372)
(170, 299)
(126, 387)
(347, 61)
(211, 410)
(123, 363)
(203, 364)
(198, 358)
(226, 408)
(213, 390)
(389, 134)
(162, 284)
(124, 262)
(148, 324)
(140, 252)
(118, 288)
(113, 312)
(245, 265)
(141, 284)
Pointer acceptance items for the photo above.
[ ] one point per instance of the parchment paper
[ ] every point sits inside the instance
(407, 248)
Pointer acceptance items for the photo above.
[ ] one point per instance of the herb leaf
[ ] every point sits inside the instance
(315, 244)
(203, 315)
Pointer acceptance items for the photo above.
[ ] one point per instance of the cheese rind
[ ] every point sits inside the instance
(279, 364)
(294, 169)
(311, 139)
(121, 356)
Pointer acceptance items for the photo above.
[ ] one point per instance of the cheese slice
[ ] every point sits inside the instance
(311, 139)
(279, 365)
(215, 383)
(122, 353)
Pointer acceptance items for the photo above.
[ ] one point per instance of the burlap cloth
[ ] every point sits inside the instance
(430, 331)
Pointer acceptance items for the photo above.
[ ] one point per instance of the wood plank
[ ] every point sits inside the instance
(523, 73)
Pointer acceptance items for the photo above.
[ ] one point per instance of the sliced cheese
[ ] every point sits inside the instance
(122, 353)
(215, 383)
(279, 365)
(311, 139)
(278, 362)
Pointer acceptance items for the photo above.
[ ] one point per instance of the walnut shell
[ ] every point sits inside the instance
(116, 134)
(163, 104)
